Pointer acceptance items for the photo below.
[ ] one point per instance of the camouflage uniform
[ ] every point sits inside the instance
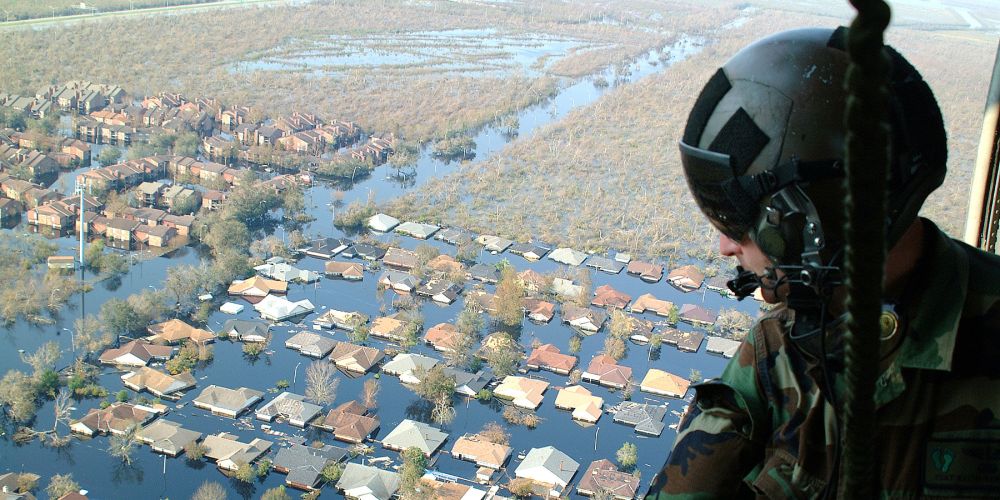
(764, 428)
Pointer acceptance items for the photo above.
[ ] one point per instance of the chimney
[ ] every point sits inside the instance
(561, 465)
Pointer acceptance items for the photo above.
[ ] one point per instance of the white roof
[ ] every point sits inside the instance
(279, 308)
(725, 347)
(412, 433)
(231, 308)
(548, 465)
(417, 229)
(568, 256)
(382, 222)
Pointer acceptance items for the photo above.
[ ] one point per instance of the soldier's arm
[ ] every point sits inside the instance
(719, 440)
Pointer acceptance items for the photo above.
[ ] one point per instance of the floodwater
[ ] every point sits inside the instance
(468, 51)
(151, 475)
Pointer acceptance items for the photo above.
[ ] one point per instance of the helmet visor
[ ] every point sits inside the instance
(711, 178)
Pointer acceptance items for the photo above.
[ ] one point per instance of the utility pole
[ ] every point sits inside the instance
(83, 241)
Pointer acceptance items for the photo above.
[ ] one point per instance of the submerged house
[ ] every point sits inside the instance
(581, 402)
(363, 482)
(725, 347)
(245, 330)
(539, 310)
(686, 278)
(646, 271)
(257, 288)
(350, 422)
(607, 296)
(454, 235)
(175, 330)
(605, 264)
(353, 358)
(487, 273)
(494, 244)
(345, 320)
(382, 223)
(304, 464)
(399, 281)
(646, 418)
(469, 384)
(227, 402)
(697, 315)
(549, 468)
(285, 272)
(683, 341)
(410, 433)
(585, 319)
(604, 476)
(388, 328)
(279, 308)
(290, 407)
(310, 344)
(167, 437)
(568, 256)
(228, 452)
(136, 353)
(160, 384)
(443, 336)
(417, 230)
(400, 259)
(115, 419)
(476, 448)
(664, 383)
(326, 248)
(440, 291)
(604, 370)
(351, 271)
(407, 366)
(548, 357)
(648, 302)
(521, 391)
(530, 251)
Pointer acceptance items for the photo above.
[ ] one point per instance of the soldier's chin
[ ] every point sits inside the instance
(772, 294)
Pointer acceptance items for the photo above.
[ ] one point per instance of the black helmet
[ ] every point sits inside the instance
(763, 146)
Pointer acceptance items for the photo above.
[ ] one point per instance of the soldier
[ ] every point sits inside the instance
(762, 153)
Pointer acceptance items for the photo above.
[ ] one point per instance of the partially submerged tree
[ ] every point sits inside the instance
(509, 299)
(276, 493)
(121, 445)
(627, 456)
(61, 484)
(369, 393)
(495, 433)
(44, 358)
(17, 396)
(210, 491)
(321, 386)
(414, 467)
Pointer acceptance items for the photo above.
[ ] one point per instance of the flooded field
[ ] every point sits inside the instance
(468, 52)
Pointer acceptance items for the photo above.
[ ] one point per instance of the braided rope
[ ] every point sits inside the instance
(867, 155)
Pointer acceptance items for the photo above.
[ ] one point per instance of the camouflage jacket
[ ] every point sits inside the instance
(765, 428)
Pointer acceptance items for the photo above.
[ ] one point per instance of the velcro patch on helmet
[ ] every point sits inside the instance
(716, 88)
(741, 139)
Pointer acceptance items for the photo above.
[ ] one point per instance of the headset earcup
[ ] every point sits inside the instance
(771, 242)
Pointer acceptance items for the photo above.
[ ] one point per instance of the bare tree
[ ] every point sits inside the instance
(209, 491)
(44, 358)
(321, 386)
(369, 393)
